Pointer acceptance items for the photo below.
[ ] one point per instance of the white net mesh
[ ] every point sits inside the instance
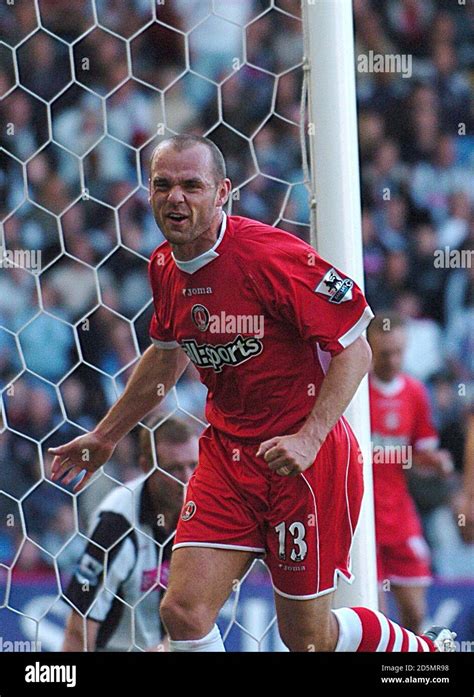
(88, 88)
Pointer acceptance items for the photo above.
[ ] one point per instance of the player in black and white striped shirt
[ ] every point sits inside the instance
(124, 567)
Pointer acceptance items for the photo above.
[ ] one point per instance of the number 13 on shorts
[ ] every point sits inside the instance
(294, 542)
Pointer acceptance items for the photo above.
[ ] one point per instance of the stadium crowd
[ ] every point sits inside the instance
(86, 315)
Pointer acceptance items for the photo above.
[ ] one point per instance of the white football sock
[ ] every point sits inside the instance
(209, 643)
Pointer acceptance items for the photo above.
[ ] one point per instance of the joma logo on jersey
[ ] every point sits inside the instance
(224, 323)
(197, 291)
(219, 355)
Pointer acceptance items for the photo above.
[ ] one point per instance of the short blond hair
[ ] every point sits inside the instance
(174, 430)
(385, 321)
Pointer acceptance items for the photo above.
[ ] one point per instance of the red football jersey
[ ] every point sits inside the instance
(250, 314)
(401, 423)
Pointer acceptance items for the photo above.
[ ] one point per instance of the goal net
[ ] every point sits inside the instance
(88, 88)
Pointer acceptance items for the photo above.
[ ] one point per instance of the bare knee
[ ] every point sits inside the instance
(185, 620)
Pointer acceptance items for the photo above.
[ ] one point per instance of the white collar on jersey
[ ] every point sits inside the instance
(388, 389)
(193, 265)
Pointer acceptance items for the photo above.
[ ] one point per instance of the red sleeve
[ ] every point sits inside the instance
(425, 435)
(160, 335)
(320, 301)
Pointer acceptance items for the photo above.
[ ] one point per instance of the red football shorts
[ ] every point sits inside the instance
(302, 525)
(406, 562)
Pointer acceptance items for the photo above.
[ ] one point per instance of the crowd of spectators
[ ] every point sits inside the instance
(70, 335)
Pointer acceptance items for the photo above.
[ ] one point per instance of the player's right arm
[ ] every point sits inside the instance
(156, 372)
(74, 633)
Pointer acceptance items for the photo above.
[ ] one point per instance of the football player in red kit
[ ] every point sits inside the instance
(402, 436)
(279, 471)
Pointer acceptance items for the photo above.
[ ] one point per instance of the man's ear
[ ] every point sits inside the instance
(223, 192)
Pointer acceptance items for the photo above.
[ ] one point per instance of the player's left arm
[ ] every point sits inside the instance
(298, 451)
(428, 457)
(434, 459)
(326, 308)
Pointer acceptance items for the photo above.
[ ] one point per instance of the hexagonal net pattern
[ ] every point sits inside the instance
(88, 88)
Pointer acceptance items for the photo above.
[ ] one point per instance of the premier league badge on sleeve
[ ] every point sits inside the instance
(336, 289)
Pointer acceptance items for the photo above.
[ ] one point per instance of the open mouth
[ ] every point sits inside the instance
(177, 217)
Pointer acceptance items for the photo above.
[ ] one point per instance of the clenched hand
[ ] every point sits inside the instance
(289, 455)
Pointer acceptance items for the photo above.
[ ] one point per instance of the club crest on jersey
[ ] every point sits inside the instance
(188, 511)
(201, 317)
(336, 289)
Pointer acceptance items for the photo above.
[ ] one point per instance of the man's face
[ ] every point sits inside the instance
(179, 460)
(184, 195)
(387, 352)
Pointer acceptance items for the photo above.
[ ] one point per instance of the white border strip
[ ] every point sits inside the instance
(362, 323)
(317, 530)
(348, 508)
(410, 580)
(192, 265)
(337, 573)
(164, 344)
(216, 545)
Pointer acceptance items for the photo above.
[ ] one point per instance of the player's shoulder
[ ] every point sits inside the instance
(160, 256)
(259, 234)
(253, 238)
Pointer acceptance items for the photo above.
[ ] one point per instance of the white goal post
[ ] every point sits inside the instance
(336, 222)
(85, 122)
